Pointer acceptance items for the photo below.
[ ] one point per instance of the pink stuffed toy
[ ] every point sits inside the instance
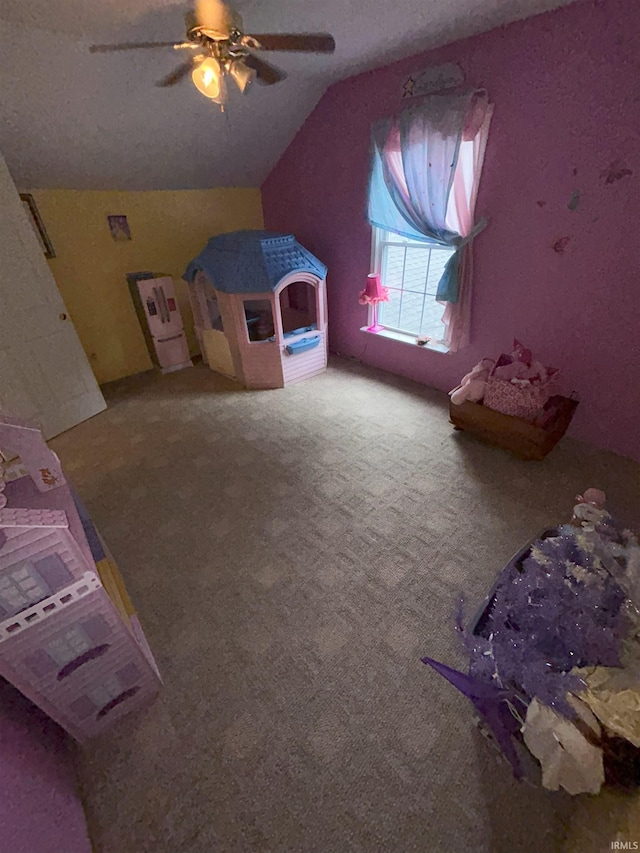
(595, 497)
(589, 507)
(519, 372)
(473, 384)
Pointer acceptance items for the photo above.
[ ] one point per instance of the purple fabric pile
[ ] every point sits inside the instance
(567, 601)
(557, 609)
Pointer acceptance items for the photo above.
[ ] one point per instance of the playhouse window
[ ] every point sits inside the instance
(298, 306)
(259, 319)
(215, 317)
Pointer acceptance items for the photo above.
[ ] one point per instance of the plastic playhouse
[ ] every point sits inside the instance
(260, 308)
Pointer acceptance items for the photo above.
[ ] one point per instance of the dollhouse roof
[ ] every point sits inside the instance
(32, 518)
(252, 261)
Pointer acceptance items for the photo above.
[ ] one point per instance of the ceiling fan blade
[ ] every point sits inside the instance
(177, 74)
(266, 74)
(132, 45)
(305, 42)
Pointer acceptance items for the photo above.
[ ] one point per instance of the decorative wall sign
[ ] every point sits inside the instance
(433, 80)
(119, 227)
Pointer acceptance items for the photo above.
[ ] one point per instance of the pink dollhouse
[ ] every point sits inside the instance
(69, 638)
(260, 308)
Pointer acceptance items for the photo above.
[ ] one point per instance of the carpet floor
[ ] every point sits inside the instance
(292, 555)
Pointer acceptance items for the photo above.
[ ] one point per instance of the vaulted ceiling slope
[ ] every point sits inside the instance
(79, 120)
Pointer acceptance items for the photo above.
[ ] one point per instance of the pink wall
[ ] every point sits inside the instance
(40, 811)
(565, 89)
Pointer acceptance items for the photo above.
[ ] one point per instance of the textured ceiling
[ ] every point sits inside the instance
(96, 121)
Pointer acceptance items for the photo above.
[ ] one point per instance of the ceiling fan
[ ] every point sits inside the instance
(220, 49)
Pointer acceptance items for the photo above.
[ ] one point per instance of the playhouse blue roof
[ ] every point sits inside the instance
(252, 261)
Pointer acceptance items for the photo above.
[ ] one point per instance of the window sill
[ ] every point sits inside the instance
(403, 338)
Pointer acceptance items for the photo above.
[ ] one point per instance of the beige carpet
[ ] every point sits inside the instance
(292, 554)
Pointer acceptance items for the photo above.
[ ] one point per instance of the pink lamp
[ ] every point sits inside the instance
(374, 293)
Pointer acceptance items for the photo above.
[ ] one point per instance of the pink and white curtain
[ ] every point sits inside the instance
(460, 217)
(424, 183)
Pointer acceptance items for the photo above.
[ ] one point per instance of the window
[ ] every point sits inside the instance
(298, 306)
(215, 317)
(69, 645)
(425, 173)
(259, 319)
(20, 588)
(411, 271)
(107, 692)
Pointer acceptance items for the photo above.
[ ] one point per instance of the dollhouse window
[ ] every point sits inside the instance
(22, 587)
(102, 695)
(54, 571)
(78, 644)
(69, 645)
(298, 306)
(259, 319)
(108, 695)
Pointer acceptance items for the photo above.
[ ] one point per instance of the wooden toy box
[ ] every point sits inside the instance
(520, 437)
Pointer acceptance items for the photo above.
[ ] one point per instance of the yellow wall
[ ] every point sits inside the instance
(168, 228)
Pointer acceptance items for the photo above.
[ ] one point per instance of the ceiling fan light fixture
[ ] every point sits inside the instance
(241, 74)
(208, 79)
(219, 48)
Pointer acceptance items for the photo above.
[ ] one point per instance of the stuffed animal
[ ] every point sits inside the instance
(473, 384)
(595, 497)
(518, 372)
(590, 507)
(520, 368)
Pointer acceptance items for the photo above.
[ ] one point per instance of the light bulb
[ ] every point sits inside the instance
(206, 78)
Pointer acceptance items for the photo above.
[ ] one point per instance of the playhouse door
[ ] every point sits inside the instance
(303, 317)
(44, 374)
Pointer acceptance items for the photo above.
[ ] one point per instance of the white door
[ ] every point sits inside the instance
(44, 373)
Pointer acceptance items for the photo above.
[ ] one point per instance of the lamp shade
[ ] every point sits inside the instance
(207, 78)
(241, 73)
(374, 292)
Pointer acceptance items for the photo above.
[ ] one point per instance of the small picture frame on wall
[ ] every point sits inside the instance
(33, 215)
(119, 227)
